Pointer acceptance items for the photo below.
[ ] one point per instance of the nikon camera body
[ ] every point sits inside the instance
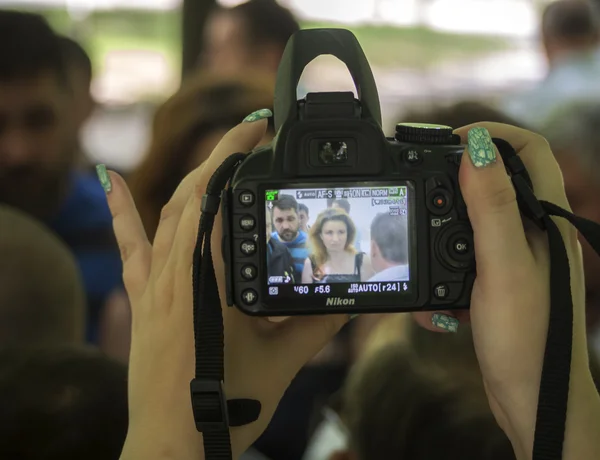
(335, 217)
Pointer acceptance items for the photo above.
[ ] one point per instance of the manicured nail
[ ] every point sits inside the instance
(104, 178)
(445, 322)
(481, 148)
(351, 317)
(258, 115)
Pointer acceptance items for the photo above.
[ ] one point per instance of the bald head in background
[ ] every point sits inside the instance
(570, 26)
(42, 301)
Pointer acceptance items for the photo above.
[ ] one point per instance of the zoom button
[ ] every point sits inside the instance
(248, 272)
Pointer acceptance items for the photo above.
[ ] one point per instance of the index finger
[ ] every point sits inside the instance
(129, 231)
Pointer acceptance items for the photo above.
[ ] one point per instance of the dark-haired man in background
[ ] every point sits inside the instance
(80, 73)
(571, 40)
(38, 153)
(248, 37)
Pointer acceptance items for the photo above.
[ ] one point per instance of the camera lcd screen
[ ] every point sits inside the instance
(339, 240)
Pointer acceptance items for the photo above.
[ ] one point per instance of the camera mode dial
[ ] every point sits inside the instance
(423, 133)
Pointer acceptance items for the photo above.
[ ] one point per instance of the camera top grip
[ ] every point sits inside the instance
(304, 47)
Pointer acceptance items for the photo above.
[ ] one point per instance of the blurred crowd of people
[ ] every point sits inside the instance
(383, 389)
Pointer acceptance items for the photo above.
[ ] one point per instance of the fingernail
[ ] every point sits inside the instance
(277, 319)
(104, 178)
(258, 115)
(351, 317)
(481, 147)
(445, 322)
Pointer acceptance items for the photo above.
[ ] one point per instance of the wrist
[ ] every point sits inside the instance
(159, 445)
(516, 414)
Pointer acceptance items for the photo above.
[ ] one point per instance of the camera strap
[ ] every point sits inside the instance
(214, 414)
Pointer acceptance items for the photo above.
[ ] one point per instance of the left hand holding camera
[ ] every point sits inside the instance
(261, 357)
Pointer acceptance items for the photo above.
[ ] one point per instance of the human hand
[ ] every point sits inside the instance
(510, 302)
(261, 357)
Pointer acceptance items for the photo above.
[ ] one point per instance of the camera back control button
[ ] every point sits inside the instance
(247, 223)
(439, 201)
(246, 198)
(460, 246)
(248, 247)
(249, 272)
(441, 291)
(249, 296)
(413, 156)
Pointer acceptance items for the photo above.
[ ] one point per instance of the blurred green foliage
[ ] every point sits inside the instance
(161, 32)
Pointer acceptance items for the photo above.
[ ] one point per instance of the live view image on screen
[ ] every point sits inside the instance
(337, 235)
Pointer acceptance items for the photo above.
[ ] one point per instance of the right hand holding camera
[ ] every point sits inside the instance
(510, 302)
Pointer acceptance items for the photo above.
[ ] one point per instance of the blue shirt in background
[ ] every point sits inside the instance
(298, 250)
(85, 224)
(574, 79)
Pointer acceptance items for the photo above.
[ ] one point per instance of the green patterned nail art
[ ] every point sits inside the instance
(445, 322)
(481, 148)
(104, 178)
(258, 115)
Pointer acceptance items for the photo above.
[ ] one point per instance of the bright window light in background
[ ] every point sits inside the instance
(96, 4)
(230, 3)
(514, 18)
(326, 73)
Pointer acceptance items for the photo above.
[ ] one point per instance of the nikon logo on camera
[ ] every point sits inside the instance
(339, 301)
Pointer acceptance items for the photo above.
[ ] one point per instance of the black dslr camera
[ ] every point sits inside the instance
(389, 230)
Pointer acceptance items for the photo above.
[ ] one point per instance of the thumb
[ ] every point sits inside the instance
(499, 236)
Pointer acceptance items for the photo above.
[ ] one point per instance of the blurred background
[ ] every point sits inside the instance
(422, 51)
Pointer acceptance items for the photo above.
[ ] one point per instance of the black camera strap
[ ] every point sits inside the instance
(214, 414)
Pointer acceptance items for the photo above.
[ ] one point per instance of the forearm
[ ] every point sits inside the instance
(149, 438)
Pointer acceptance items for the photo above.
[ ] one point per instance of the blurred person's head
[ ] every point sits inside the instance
(186, 129)
(574, 135)
(459, 114)
(389, 243)
(36, 123)
(440, 352)
(285, 217)
(62, 403)
(269, 223)
(394, 407)
(332, 232)
(303, 216)
(569, 26)
(42, 300)
(341, 204)
(80, 73)
(250, 36)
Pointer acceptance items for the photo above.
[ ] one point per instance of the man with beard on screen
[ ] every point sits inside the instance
(287, 230)
(38, 155)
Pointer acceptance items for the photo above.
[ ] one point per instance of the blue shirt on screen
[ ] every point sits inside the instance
(298, 250)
